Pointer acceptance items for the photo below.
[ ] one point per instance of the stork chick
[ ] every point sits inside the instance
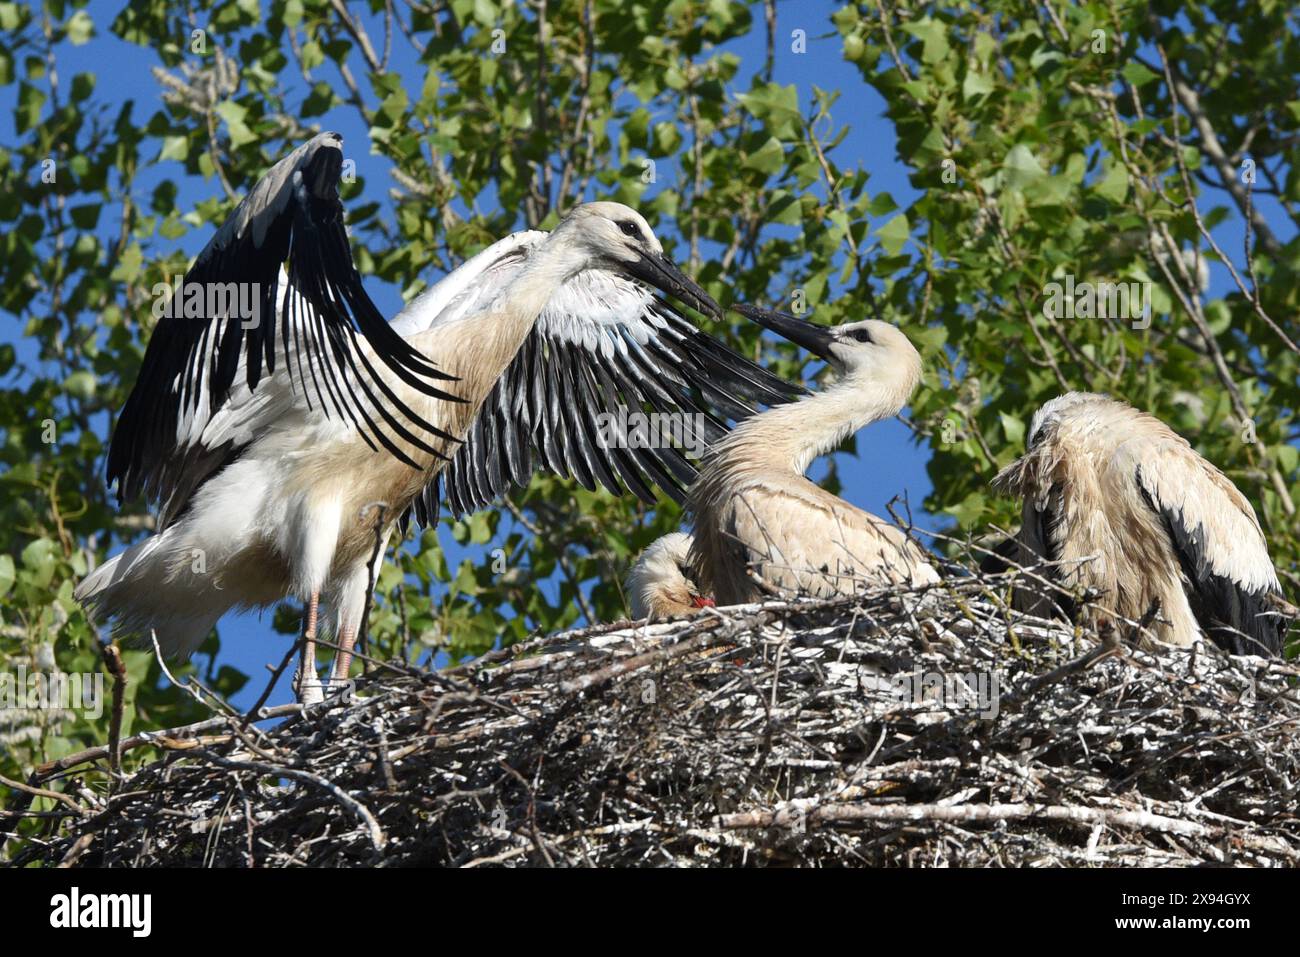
(660, 583)
(1130, 510)
(754, 508)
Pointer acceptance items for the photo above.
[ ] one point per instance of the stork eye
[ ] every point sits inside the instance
(630, 228)
(860, 335)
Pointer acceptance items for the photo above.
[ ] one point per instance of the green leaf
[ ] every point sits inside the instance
(480, 528)
(975, 84)
(637, 127)
(785, 209)
(777, 105)
(969, 511)
(1014, 429)
(882, 204)
(894, 234)
(1288, 457)
(80, 28)
(934, 37)
(174, 148)
(83, 84)
(769, 158)
(1052, 191)
(485, 12)
(667, 139)
(30, 101)
(1137, 74)
(39, 556)
(11, 15)
(1114, 186)
(85, 216)
(128, 264)
(1021, 167)
(80, 384)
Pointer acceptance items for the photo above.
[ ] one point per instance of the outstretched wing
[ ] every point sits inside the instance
(612, 387)
(292, 218)
(1229, 579)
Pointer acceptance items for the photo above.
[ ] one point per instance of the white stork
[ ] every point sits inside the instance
(753, 507)
(1127, 508)
(269, 445)
(659, 585)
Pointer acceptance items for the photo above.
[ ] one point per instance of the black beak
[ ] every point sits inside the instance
(655, 270)
(808, 335)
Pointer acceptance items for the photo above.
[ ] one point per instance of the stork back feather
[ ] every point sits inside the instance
(1123, 505)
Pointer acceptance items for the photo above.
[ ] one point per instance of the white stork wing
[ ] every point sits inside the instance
(604, 349)
(293, 218)
(1217, 539)
(207, 443)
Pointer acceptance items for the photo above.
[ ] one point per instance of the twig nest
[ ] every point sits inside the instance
(876, 730)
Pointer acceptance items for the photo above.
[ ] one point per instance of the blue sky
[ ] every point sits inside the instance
(889, 464)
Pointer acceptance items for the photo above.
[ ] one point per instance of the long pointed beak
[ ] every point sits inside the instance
(808, 335)
(656, 270)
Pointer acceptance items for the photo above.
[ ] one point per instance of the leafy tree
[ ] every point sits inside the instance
(1089, 142)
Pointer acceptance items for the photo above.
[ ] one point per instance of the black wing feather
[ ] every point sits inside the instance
(1241, 621)
(1048, 525)
(543, 412)
(293, 216)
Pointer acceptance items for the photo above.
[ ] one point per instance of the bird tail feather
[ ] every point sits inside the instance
(144, 591)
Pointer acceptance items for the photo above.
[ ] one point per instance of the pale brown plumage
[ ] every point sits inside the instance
(755, 510)
(659, 585)
(1133, 512)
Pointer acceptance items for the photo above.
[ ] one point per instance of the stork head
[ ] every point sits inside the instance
(616, 237)
(1033, 473)
(869, 350)
(660, 583)
(1043, 425)
(1047, 420)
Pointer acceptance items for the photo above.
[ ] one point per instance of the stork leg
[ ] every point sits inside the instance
(307, 681)
(343, 659)
(352, 595)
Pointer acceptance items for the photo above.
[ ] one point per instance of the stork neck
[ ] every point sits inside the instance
(790, 437)
(481, 345)
(547, 269)
(478, 348)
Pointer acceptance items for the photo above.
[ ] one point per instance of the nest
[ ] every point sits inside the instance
(898, 728)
